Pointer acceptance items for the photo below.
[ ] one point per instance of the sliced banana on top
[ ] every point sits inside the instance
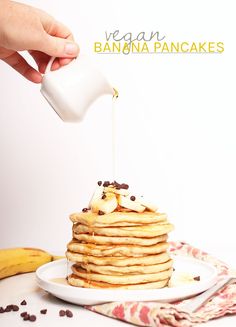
(106, 204)
(126, 202)
(112, 189)
(97, 195)
(106, 199)
(150, 206)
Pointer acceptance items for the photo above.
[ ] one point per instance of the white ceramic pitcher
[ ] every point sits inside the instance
(71, 89)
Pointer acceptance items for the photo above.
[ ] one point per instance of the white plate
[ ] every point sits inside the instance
(87, 296)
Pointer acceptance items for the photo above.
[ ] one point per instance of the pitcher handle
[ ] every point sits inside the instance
(49, 65)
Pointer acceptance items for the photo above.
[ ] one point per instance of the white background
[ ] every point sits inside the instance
(175, 123)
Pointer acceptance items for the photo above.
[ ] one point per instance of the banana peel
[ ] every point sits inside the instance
(23, 260)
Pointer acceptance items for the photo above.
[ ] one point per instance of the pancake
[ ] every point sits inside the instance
(139, 269)
(117, 218)
(116, 250)
(150, 230)
(81, 282)
(118, 261)
(122, 279)
(98, 239)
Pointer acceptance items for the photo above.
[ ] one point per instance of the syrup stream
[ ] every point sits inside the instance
(114, 99)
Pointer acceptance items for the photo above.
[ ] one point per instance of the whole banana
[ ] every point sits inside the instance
(22, 260)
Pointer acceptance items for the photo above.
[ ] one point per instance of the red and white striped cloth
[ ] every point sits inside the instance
(165, 314)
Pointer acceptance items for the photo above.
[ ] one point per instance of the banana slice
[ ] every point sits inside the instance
(124, 201)
(112, 189)
(97, 195)
(150, 206)
(180, 279)
(106, 205)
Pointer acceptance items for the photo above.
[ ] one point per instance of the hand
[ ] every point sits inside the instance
(26, 28)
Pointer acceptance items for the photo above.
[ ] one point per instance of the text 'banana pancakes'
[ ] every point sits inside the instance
(119, 241)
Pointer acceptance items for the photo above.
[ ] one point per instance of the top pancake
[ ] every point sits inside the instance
(117, 218)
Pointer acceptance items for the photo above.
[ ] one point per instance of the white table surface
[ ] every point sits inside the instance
(15, 289)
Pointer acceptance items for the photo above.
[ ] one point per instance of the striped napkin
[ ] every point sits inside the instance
(165, 314)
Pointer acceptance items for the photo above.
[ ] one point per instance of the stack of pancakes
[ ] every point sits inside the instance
(119, 249)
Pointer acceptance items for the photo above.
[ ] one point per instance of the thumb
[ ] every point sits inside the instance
(59, 47)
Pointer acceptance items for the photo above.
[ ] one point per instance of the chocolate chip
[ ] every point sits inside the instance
(85, 209)
(32, 318)
(124, 186)
(116, 185)
(23, 302)
(43, 311)
(132, 198)
(23, 314)
(69, 314)
(15, 308)
(106, 183)
(62, 313)
(100, 212)
(2, 310)
(104, 196)
(173, 269)
(8, 308)
(26, 317)
(197, 278)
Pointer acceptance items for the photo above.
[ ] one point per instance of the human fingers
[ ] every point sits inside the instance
(16, 61)
(41, 59)
(57, 40)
